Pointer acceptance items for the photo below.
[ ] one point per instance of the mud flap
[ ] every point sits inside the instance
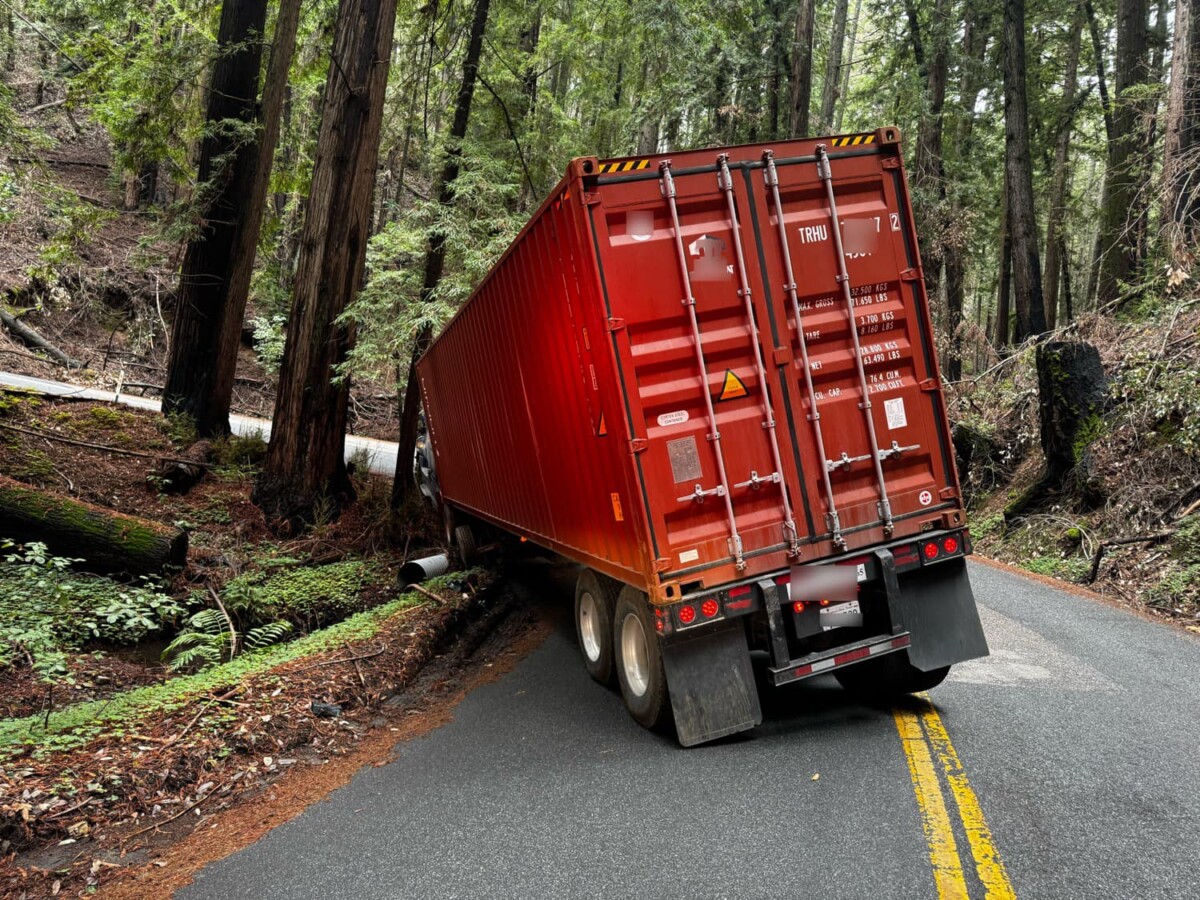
(711, 684)
(937, 607)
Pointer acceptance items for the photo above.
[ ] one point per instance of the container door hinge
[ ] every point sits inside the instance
(930, 385)
(614, 324)
(590, 199)
(891, 162)
(782, 356)
(638, 445)
(910, 275)
(662, 564)
(949, 493)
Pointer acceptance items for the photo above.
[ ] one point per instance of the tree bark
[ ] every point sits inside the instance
(1004, 286)
(844, 91)
(778, 64)
(1181, 186)
(107, 541)
(929, 174)
(1018, 167)
(1056, 213)
(226, 177)
(305, 466)
(435, 257)
(800, 96)
(1125, 202)
(830, 90)
(975, 41)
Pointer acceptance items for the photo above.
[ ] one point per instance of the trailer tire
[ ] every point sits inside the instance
(468, 550)
(595, 603)
(639, 662)
(888, 677)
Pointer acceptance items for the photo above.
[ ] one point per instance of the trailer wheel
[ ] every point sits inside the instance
(464, 540)
(595, 602)
(888, 677)
(639, 661)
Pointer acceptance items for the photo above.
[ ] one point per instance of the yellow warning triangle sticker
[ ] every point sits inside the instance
(733, 387)
(602, 431)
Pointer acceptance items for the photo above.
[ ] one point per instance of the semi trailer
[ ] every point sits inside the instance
(709, 378)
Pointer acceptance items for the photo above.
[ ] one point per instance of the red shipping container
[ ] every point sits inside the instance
(695, 370)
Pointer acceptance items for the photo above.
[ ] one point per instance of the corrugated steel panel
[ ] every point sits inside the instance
(567, 402)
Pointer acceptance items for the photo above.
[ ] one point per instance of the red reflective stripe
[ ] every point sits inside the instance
(802, 671)
(842, 658)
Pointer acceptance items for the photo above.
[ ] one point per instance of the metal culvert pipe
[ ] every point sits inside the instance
(418, 570)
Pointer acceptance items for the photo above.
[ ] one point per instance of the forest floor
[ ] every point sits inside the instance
(116, 753)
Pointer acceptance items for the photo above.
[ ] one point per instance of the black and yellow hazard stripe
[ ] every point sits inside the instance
(855, 141)
(632, 165)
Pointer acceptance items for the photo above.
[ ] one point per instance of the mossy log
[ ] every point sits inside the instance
(107, 541)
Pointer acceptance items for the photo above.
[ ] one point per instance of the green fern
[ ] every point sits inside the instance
(205, 642)
(195, 650)
(266, 635)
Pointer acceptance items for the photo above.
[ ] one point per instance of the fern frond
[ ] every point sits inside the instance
(266, 635)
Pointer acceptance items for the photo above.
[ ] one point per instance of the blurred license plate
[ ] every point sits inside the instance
(841, 615)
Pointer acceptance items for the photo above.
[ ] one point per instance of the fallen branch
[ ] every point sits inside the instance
(211, 700)
(430, 594)
(33, 339)
(45, 106)
(104, 447)
(1120, 542)
(156, 825)
(345, 659)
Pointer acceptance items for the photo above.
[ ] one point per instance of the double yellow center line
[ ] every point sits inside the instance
(927, 749)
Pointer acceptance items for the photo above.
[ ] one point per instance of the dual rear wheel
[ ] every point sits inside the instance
(618, 641)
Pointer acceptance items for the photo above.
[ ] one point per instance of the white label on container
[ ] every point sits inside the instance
(688, 556)
(673, 418)
(896, 417)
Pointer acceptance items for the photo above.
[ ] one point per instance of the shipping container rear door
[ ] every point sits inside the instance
(730, 463)
(881, 424)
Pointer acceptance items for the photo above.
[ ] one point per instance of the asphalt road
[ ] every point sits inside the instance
(1069, 768)
(381, 455)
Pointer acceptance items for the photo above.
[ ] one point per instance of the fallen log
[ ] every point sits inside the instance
(33, 339)
(1121, 542)
(107, 541)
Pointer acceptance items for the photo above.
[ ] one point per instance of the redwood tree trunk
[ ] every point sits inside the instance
(801, 84)
(227, 164)
(1057, 212)
(833, 65)
(1124, 203)
(435, 258)
(245, 249)
(1018, 167)
(1181, 188)
(305, 464)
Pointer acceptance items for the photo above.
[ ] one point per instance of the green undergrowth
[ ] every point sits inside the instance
(75, 726)
(46, 609)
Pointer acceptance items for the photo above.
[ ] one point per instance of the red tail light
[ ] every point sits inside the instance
(798, 606)
(950, 544)
(930, 550)
(709, 608)
(687, 614)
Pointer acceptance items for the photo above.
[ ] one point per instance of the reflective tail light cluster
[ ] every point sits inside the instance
(931, 550)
